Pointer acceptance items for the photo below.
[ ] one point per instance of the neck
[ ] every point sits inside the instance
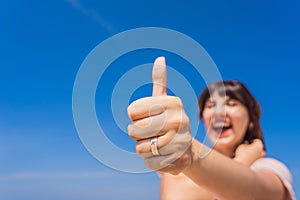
(225, 150)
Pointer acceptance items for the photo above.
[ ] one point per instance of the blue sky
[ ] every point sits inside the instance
(43, 43)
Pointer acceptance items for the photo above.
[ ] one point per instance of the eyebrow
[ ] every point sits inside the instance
(226, 97)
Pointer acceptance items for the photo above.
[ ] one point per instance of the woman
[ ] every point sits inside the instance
(233, 129)
(191, 170)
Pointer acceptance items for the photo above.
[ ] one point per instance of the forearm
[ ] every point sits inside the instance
(245, 161)
(227, 178)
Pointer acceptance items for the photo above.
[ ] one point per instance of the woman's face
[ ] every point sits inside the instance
(226, 121)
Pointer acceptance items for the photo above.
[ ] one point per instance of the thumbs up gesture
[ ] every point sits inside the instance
(160, 126)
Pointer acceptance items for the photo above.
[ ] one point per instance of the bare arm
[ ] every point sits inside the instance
(163, 117)
(228, 179)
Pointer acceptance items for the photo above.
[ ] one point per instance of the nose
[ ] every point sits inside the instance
(219, 112)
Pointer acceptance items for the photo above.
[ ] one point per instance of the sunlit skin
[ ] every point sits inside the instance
(226, 121)
(219, 112)
(215, 172)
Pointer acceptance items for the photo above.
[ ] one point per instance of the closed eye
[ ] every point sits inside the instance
(231, 102)
(210, 104)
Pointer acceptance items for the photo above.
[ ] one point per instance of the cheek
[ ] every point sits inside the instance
(206, 118)
(241, 119)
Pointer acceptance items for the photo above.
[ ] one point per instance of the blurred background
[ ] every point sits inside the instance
(43, 43)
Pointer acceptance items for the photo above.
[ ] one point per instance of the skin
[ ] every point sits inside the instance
(248, 153)
(236, 115)
(214, 171)
(219, 111)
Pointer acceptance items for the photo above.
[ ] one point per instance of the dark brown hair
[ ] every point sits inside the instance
(238, 91)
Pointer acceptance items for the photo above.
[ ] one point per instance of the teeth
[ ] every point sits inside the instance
(220, 125)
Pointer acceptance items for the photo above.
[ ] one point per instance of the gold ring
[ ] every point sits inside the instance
(153, 145)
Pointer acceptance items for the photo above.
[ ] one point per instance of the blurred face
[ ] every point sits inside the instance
(226, 121)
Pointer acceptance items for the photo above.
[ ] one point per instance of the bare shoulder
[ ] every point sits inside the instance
(274, 165)
(181, 187)
(271, 166)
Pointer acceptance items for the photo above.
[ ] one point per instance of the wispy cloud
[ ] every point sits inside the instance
(94, 15)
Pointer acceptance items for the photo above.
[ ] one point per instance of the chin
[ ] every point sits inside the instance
(222, 145)
(221, 139)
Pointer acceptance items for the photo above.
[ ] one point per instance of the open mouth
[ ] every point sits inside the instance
(221, 128)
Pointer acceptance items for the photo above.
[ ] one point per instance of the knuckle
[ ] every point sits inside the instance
(136, 108)
(179, 122)
(177, 101)
(174, 122)
(138, 149)
(130, 111)
(174, 101)
(257, 142)
(131, 131)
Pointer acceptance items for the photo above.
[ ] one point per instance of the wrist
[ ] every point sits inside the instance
(197, 152)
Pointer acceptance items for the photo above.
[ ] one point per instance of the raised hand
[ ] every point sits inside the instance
(160, 126)
(247, 154)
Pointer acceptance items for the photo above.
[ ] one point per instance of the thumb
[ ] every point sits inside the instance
(159, 77)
